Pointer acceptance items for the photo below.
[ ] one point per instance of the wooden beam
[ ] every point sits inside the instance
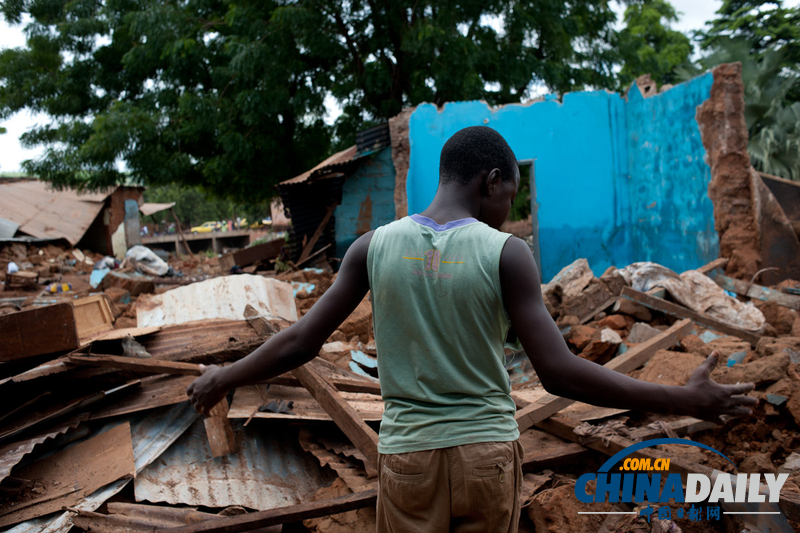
(549, 404)
(314, 238)
(751, 290)
(719, 263)
(38, 331)
(219, 431)
(679, 311)
(180, 232)
(159, 366)
(362, 436)
(282, 515)
(150, 366)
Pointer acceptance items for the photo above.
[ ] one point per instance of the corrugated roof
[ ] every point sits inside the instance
(345, 156)
(152, 208)
(46, 213)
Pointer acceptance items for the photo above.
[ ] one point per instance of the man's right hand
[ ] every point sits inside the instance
(208, 390)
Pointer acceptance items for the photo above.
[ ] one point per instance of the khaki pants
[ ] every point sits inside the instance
(463, 489)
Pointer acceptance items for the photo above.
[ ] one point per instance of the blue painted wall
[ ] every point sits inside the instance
(672, 218)
(367, 199)
(598, 159)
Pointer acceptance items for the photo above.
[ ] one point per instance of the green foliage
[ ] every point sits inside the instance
(647, 45)
(773, 120)
(193, 206)
(228, 96)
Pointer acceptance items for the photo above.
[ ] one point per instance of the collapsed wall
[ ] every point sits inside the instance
(754, 232)
(401, 151)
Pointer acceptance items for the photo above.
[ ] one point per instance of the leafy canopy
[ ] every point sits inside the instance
(230, 96)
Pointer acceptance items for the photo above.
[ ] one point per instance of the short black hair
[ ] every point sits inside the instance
(473, 150)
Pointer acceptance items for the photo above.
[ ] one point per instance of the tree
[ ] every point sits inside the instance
(764, 25)
(647, 45)
(773, 120)
(228, 96)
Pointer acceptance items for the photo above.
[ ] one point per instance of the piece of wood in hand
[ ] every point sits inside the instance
(221, 438)
(363, 437)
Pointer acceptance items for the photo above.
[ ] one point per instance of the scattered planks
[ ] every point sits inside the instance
(679, 311)
(282, 515)
(751, 290)
(360, 434)
(247, 256)
(38, 331)
(631, 360)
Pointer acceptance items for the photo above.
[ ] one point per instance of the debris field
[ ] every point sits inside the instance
(96, 433)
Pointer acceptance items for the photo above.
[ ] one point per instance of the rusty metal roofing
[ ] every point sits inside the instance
(46, 213)
(153, 208)
(337, 159)
(270, 470)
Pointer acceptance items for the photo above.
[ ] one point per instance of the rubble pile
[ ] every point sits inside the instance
(98, 436)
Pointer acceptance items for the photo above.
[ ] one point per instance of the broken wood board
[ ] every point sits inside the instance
(269, 470)
(38, 331)
(119, 334)
(221, 440)
(74, 473)
(248, 399)
(197, 342)
(151, 392)
(283, 515)
(135, 364)
(307, 247)
(549, 404)
(349, 468)
(247, 256)
(578, 410)
(751, 290)
(343, 414)
(92, 315)
(678, 311)
(718, 263)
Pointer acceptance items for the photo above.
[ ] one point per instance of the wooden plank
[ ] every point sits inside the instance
(180, 233)
(150, 366)
(719, 263)
(152, 392)
(92, 315)
(751, 290)
(282, 515)
(602, 307)
(549, 404)
(38, 331)
(247, 400)
(679, 311)
(362, 436)
(118, 334)
(221, 438)
(314, 238)
(341, 384)
(74, 473)
(248, 256)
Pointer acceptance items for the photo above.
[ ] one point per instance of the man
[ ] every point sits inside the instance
(446, 286)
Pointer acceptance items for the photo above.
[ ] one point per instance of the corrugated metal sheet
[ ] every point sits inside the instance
(339, 158)
(373, 139)
(7, 228)
(152, 433)
(45, 213)
(12, 453)
(271, 470)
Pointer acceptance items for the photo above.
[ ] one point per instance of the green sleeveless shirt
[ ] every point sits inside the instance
(440, 327)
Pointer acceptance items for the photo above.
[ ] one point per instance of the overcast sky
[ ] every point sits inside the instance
(694, 14)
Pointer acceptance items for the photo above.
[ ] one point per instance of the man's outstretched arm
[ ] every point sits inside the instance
(296, 345)
(565, 374)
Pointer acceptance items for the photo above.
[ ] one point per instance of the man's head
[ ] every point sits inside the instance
(475, 150)
(479, 162)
